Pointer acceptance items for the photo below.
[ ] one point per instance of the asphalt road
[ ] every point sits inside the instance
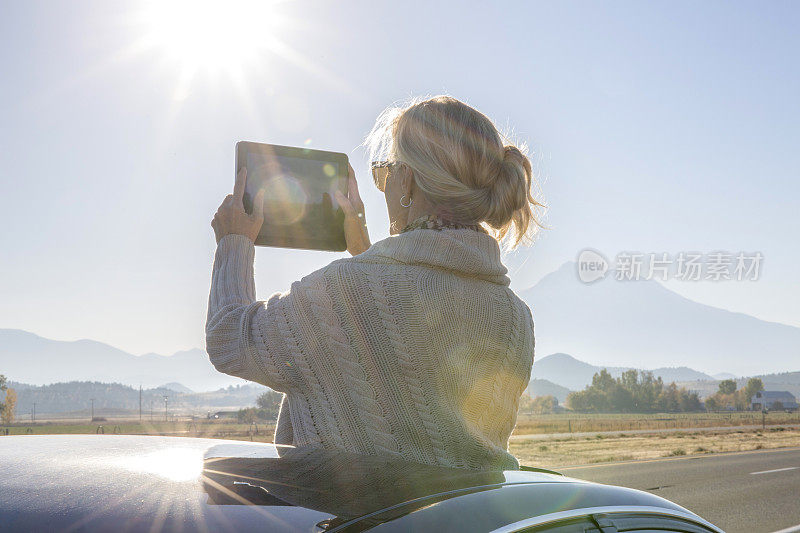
(751, 492)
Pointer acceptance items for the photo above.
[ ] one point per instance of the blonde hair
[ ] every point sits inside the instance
(461, 164)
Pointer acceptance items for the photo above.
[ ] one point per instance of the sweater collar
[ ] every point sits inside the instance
(464, 252)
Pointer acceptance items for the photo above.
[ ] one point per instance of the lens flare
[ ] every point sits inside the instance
(208, 34)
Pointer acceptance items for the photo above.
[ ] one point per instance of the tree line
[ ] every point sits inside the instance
(728, 398)
(78, 396)
(268, 404)
(633, 392)
(9, 404)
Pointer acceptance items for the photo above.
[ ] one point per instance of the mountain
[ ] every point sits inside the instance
(642, 323)
(680, 373)
(29, 358)
(543, 387)
(566, 371)
(114, 399)
(785, 381)
(792, 378)
(176, 387)
(563, 369)
(724, 375)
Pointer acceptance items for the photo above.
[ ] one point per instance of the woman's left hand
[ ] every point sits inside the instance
(231, 218)
(355, 225)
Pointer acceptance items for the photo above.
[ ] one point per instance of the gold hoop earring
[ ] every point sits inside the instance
(410, 201)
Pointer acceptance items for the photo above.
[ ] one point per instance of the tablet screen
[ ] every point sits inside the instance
(300, 208)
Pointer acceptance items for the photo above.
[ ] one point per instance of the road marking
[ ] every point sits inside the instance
(776, 470)
(793, 529)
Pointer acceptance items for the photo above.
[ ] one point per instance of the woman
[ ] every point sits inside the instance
(415, 347)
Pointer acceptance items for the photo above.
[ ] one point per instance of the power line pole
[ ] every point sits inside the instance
(34, 411)
(166, 413)
(140, 403)
(92, 409)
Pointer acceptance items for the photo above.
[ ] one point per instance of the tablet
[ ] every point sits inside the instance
(300, 207)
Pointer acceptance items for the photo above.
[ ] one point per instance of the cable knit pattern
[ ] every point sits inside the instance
(308, 386)
(416, 348)
(361, 391)
(502, 392)
(408, 372)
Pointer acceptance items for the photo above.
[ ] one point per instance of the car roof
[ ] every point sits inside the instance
(140, 482)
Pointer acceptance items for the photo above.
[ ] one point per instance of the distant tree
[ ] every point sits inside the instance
(632, 392)
(712, 404)
(753, 386)
(690, 402)
(270, 403)
(726, 401)
(3, 387)
(544, 404)
(7, 412)
(669, 399)
(248, 415)
(727, 397)
(526, 403)
(727, 386)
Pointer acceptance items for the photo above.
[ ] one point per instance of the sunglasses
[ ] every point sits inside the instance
(380, 173)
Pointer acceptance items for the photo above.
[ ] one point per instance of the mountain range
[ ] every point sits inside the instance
(644, 324)
(566, 371)
(558, 374)
(633, 324)
(82, 398)
(29, 358)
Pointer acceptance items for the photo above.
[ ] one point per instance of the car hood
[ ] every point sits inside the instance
(149, 483)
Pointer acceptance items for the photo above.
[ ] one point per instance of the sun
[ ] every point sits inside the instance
(207, 35)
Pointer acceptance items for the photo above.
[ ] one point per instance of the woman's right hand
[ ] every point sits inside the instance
(355, 223)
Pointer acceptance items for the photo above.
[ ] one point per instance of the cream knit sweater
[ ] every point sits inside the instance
(416, 348)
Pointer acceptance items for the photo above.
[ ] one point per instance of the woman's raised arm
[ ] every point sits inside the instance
(233, 344)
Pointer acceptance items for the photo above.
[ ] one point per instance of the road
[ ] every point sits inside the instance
(753, 492)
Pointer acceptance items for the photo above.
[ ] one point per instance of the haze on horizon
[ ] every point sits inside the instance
(654, 127)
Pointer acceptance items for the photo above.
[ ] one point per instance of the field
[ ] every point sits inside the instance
(577, 423)
(215, 429)
(554, 440)
(567, 451)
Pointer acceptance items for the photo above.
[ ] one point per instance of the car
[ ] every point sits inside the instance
(127, 483)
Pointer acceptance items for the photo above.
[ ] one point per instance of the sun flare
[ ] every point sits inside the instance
(210, 35)
(176, 464)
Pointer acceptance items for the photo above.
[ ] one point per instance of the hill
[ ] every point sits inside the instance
(564, 370)
(29, 358)
(75, 398)
(543, 387)
(177, 387)
(642, 323)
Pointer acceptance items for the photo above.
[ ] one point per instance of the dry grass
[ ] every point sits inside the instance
(215, 429)
(543, 450)
(552, 453)
(575, 423)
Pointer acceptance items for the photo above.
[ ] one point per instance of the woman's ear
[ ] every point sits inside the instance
(407, 181)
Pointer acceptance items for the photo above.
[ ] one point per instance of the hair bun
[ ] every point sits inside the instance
(510, 188)
(461, 164)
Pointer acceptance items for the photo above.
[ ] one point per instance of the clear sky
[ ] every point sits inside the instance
(655, 126)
